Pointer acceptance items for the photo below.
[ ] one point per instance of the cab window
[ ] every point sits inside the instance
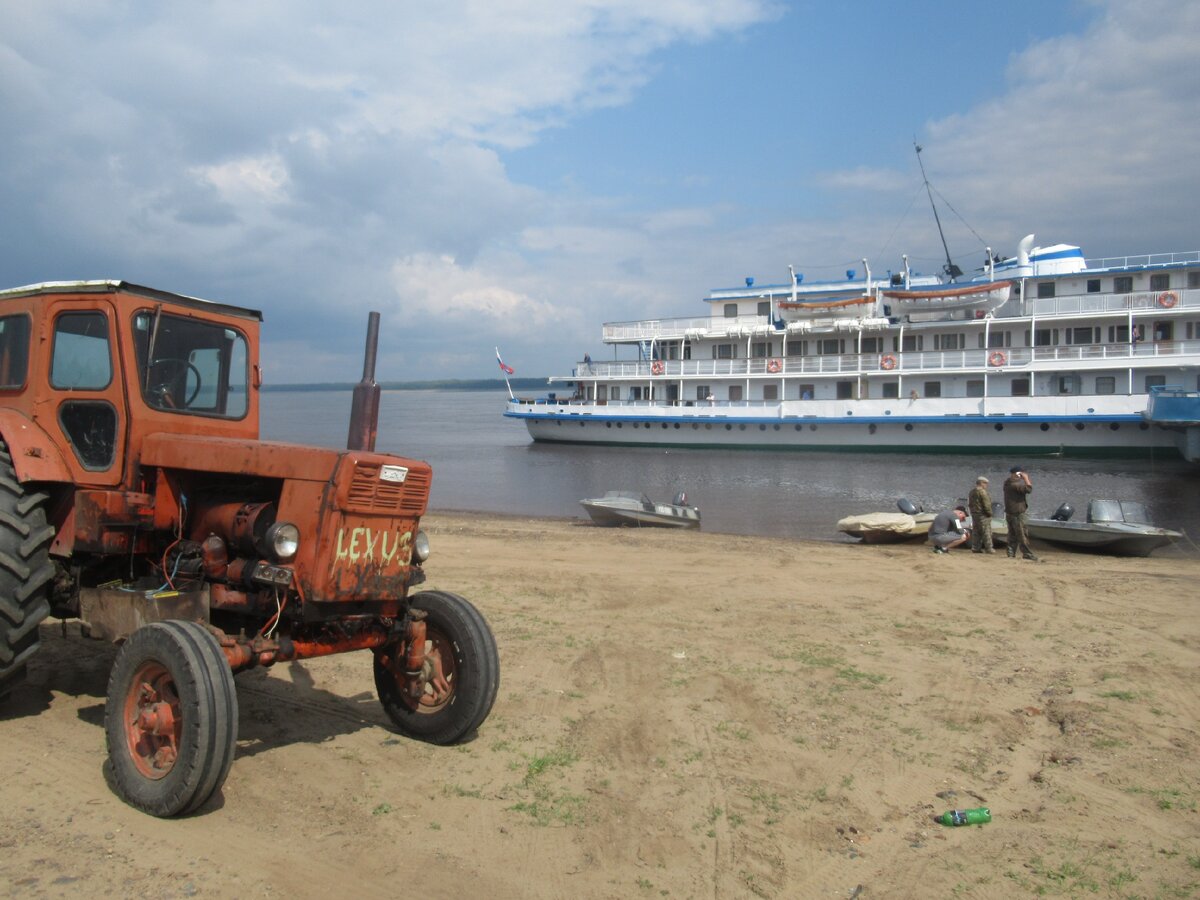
(14, 351)
(189, 366)
(82, 359)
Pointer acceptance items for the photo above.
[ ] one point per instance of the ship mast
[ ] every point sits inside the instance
(951, 270)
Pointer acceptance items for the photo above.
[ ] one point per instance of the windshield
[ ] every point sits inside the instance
(190, 366)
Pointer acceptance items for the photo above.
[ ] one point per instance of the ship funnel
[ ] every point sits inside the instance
(1023, 248)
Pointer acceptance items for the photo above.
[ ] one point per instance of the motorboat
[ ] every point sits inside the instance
(1116, 527)
(911, 523)
(635, 508)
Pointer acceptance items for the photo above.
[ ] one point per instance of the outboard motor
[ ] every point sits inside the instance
(680, 499)
(997, 510)
(906, 506)
(1063, 513)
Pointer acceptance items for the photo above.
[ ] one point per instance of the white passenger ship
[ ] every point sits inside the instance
(1043, 353)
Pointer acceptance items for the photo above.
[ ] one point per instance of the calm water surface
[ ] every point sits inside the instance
(483, 461)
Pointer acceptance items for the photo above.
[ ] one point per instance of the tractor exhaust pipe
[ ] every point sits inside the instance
(364, 408)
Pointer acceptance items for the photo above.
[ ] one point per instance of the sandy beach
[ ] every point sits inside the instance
(680, 715)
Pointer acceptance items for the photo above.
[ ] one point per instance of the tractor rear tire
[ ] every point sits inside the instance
(25, 572)
(170, 719)
(471, 664)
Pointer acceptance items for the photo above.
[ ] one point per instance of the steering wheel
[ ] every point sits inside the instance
(161, 386)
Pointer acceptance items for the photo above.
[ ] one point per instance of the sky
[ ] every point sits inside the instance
(515, 173)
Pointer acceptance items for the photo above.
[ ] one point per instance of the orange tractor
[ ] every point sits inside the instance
(136, 496)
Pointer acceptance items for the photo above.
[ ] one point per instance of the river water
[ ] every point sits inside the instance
(483, 461)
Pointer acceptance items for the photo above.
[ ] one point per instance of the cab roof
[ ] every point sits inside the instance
(109, 286)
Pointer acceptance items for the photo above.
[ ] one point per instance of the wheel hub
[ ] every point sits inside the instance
(153, 721)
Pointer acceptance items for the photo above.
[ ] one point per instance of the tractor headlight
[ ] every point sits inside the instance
(421, 547)
(283, 540)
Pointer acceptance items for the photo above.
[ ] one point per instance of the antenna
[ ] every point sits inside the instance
(950, 268)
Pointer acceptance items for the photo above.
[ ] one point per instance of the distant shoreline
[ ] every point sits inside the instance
(479, 384)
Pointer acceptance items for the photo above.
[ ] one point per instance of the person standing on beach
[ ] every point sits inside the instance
(979, 502)
(1016, 511)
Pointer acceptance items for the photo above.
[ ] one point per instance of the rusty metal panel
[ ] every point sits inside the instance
(111, 521)
(273, 459)
(364, 558)
(113, 614)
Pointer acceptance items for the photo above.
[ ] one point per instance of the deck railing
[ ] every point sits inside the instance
(975, 360)
(749, 327)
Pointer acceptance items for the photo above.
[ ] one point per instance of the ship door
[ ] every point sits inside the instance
(1164, 331)
(86, 400)
(672, 393)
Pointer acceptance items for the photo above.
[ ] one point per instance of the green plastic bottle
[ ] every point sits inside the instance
(977, 816)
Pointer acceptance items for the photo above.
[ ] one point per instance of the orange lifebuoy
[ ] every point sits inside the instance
(1167, 299)
(997, 358)
(657, 368)
(887, 362)
(774, 365)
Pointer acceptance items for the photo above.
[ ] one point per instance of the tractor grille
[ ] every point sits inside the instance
(369, 494)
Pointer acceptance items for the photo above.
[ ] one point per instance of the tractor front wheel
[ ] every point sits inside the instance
(461, 656)
(171, 718)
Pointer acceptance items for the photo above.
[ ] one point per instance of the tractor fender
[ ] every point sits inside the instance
(35, 456)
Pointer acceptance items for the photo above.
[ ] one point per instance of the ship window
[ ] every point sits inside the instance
(770, 392)
(1020, 387)
(1093, 285)
(635, 393)
(1160, 282)
(1123, 284)
(760, 350)
(724, 351)
(1106, 384)
(764, 307)
(1045, 290)
(829, 347)
(1068, 384)
(891, 390)
(949, 341)
(872, 345)
(912, 342)
(797, 348)
(731, 310)
(1194, 279)
(1155, 381)
(14, 351)
(975, 387)
(1082, 336)
(614, 392)
(845, 390)
(735, 393)
(703, 392)
(1045, 337)
(933, 389)
(808, 391)
(1163, 331)
(999, 339)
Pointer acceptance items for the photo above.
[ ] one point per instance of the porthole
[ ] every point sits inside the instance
(762, 427)
(999, 426)
(908, 427)
(608, 424)
(742, 427)
(582, 423)
(695, 426)
(619, 425)
(1045, 426)
(799, 427)
(812, 427)
(559, 423)
(871, 428)
(776, 427)
(664, 424)
(1114, 426)
(708, 426)
(1079, 426)
(677, 426)
(728, 427)
(1142, 426)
